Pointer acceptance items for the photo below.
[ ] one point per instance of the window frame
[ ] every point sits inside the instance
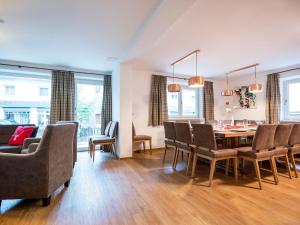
(180, 104)
(285, 114)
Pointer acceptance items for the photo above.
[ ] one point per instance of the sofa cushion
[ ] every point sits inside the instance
(10, 149)
(20, 134)
(6, 131)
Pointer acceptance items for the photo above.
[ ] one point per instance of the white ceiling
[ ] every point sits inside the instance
(152, 33)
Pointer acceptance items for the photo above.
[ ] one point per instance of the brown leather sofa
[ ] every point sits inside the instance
(6, 131)
(38, 174)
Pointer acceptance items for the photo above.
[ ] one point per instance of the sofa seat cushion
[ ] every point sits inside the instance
(217, 153)
(248, 152)
(10, 149)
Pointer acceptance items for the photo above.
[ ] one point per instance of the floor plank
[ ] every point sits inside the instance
(143, 190)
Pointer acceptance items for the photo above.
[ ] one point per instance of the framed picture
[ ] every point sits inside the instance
(245, 99)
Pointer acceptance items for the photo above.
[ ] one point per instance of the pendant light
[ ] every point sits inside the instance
(255, 87)
(227, 91)
(196, 81)
(174, 87)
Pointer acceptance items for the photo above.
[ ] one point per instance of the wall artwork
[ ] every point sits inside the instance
(245, 99)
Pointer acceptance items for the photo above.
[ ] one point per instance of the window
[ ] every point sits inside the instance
(186, 104)
(290, 107)
(9, 90)
(89, 94)
(26, 104)
(44, 91)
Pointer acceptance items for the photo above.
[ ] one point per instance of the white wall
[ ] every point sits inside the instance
(141, 84)
(244, 80)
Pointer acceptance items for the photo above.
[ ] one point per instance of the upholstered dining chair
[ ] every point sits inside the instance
(206, 148)
(294, 146)
(281, 141)
(141, 138)
(183, 143)
(170, 136)
(260, 150)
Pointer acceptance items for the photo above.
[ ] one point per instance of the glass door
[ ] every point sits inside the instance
(89, 93)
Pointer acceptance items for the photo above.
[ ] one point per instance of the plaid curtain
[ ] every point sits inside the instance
(158, 110)
(106, 111)
(208, 101)
(273, 99)
(62, 96)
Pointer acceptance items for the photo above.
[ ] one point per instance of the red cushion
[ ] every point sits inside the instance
(20, 134)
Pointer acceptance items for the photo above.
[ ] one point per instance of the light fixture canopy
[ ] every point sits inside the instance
(227, 91)
(174, 87)
(255, 87)
(196, 81)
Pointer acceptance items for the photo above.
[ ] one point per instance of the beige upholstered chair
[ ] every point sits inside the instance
(205, 140)
(260, 151)
(294, 146)
(170, 136)
(38, 174)
(141, 138)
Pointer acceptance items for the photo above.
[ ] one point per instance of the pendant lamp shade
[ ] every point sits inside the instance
(196, 81)
(174, 87)
(255, 87)
(227, 91)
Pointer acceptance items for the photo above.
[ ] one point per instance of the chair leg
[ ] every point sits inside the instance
(176, 159)
(243, 163)
(182, 156)
(0, 203)
(212, 171)
(165, 153)
(94, 152)
(294, 165)
(235, 168)
(287, 164)
(144, 146)
(46, 201)
(257, 171)
(227, 166)
(67, 183)
(188, 163)
(150, 145)
(175, 153)
(273, 171)
(114, 149)
(275, 168)
(194, 165)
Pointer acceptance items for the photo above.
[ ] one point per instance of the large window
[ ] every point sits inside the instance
(89, 94)
(24, 99)
(185, 104)
(290, 107)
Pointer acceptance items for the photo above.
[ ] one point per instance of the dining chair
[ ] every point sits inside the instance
(206, 148)
(260, 150)
(183, 143)
(281, 141)
(294, 146)
(170, 136)
(141, 138)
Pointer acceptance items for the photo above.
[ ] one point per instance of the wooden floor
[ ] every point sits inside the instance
(145, 191)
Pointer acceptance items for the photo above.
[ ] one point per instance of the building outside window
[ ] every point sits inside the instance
(9, 90)
(290, 103)
(44, 91)
(185, 104)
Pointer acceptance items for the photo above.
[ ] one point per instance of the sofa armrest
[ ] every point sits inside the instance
(23, 173)
(29, 141)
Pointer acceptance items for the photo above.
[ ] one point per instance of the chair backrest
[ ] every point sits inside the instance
(170, 132)
(264, 137)
(282, 135)
(75, 136)
(295, 135)
(106, 131)
(133, 130)
(183, 133)
(113, 129)
(204, 136)
(57, 147)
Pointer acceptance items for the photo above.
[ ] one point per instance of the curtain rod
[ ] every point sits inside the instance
(44, 68)
(283, 71)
